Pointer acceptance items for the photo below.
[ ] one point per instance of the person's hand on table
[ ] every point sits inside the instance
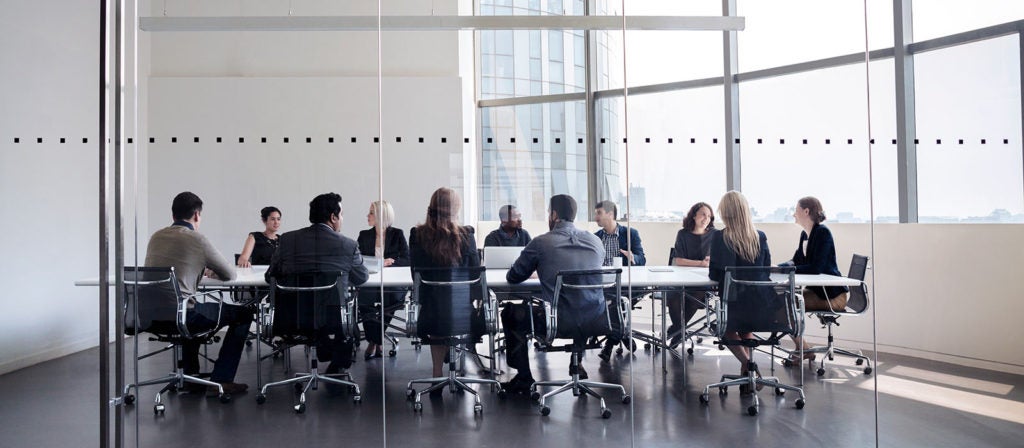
(244, 263)
(389, 262)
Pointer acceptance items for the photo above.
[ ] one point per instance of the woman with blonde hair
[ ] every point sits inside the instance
(441, 242)
(738, 244)
(387, 243)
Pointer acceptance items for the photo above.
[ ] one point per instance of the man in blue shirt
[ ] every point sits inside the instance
(511, 232)
(618, 241)
(563, 248)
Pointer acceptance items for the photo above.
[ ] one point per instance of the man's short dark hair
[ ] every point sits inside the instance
(185, 205)
(608, 207)
(323, 206)
(564, 206)
(505, 212)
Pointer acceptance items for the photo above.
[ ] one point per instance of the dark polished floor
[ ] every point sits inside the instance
(55, 404)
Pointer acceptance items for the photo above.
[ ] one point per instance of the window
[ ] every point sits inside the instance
(981, 99)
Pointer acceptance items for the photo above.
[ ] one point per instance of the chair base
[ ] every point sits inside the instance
(453, 382)
(752, 380)
(173, 381)
(830, 350)
(578, 387)
(310, 380)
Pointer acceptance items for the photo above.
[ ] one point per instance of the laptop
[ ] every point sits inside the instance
(501, 257)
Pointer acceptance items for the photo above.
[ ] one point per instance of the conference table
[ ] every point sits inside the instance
(635, 280)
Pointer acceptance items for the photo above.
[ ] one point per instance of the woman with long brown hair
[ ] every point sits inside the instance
(738, 244)
(441, 242)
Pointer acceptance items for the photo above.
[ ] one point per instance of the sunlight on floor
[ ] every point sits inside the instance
(984, 405)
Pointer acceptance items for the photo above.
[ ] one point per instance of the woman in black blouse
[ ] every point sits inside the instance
(441, 242)
(738, 244)
(819, 257)
(259, 247)
(383, 241)
(693, 247)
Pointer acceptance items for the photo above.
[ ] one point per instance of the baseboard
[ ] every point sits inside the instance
(923, 354)
(48, 354)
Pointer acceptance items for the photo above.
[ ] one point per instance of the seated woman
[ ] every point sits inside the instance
(738, 244)
(381, 240)
(259, 247)
(441, 242)
(693, 248)
(819, 257)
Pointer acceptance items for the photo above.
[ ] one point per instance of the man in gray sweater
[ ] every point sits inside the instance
(181, 246)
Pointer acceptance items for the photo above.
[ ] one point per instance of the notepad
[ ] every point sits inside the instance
(660, 269)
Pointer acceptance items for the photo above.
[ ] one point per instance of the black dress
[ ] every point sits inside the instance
(395, 247)
(263, 250)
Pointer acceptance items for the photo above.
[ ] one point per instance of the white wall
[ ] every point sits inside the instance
(49, 89)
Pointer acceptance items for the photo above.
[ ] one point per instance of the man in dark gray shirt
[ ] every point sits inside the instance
(511, 232)
(563, 248)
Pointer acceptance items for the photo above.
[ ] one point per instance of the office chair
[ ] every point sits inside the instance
(570, 287)
(306, 308)
(154, 304)
(856, 305)
(754, 300)
(377, 311)
(694, 332)
(441, 311)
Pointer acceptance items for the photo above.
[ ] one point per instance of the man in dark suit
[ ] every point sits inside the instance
(320, 248)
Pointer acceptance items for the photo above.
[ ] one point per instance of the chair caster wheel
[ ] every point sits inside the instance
(780, 391)
(647, 346)
(158, 409)
(799, 403)
(129, 399)
(224, 398)
(723, 391)
(618, 351)
(478, 408)
(752, 410)
(392, 353)
(859, 362)
(606, 413)
(699, 340)
(820, 371)
(545, 411)
(787, 363)
(626, 399)
(689, 351)
(417, 407)
(172, 387)
(248, 343)
(535, 396)
(502, 394)
(867, 370)
(357, 399)
(300, 408)
(721, 347)
(704, 399)
(260, 399)
(410, 393)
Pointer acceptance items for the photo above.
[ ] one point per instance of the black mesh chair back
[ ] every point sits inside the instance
(306, 303)
(152, 301)
(581, 302)
(858, 298)
(755, 302)
(446, 298)
(671, 256)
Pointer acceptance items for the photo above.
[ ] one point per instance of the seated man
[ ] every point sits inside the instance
(563, 248)
(511, 232)
(182, 246)
(320, 248)
(616, 244)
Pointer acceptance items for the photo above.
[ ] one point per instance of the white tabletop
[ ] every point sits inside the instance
(638, 276)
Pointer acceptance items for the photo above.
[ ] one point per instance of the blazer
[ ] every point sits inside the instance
(819, 257)
(638, 249)
(317, 248)
(395, 245)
